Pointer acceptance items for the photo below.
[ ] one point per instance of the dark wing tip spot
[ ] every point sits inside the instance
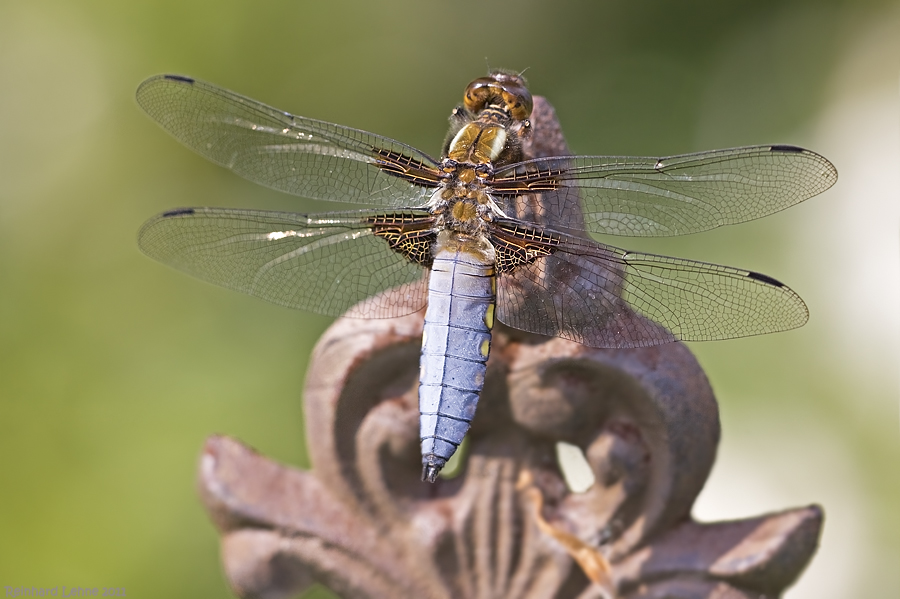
(765, 279)
(787, 148)
(178, 78)
(178, 212)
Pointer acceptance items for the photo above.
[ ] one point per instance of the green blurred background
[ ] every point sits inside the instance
(113, 368)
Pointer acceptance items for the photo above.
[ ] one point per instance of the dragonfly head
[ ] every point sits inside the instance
(500, 90)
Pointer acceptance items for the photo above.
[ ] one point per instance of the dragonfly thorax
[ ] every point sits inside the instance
(478, 143)
(468, 213)
(463, 202)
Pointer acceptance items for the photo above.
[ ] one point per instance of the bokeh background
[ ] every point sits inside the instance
(114, 369)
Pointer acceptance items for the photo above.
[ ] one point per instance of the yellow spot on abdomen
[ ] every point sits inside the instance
(489, 316)
(485, 348)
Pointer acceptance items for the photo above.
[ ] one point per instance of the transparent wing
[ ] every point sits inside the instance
(323, 263)
(602, 296)
(670, 196)
(301, 156)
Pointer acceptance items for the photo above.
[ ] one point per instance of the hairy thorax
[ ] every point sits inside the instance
(463, 203)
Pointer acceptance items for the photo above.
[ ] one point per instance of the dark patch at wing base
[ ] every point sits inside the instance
(406, 168)
(517, 245)
(410, 235)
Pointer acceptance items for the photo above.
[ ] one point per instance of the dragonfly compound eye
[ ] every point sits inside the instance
(479, 93)
(505, 91)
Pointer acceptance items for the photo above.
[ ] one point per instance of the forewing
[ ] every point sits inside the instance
(301, 156)
(602, 296)
(670, 196)
(323, 263)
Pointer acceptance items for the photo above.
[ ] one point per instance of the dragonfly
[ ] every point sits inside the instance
(485, 233)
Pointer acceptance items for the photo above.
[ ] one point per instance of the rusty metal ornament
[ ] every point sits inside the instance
(363, 524)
